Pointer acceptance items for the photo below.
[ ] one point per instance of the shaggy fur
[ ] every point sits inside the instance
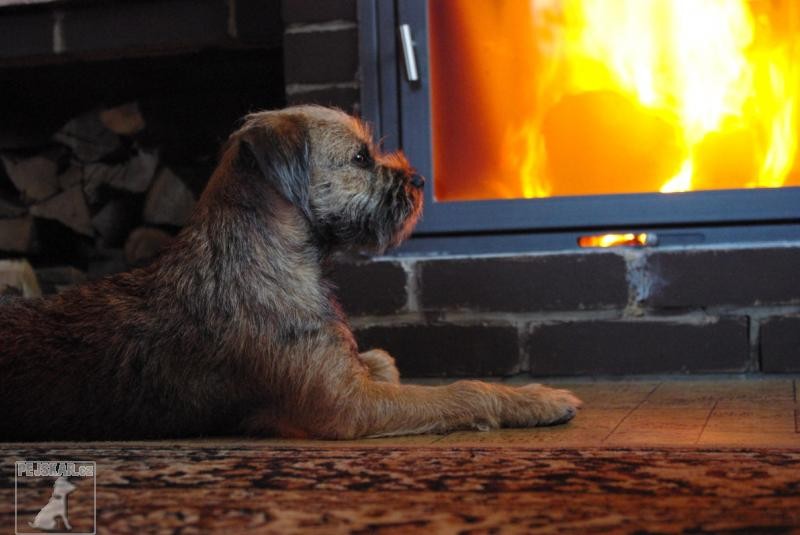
(234, 329)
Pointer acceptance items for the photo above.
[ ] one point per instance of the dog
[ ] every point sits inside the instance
(233, 328)
(55, 508)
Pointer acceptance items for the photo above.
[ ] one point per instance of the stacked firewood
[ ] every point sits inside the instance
(94, 200)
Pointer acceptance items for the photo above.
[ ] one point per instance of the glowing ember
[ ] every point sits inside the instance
(533, 98)
(617, 240)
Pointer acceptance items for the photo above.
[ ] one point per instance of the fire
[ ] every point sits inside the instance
(578, 97)
(628, 239)
(695, 62)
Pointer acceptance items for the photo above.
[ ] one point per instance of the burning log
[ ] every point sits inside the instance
(588, 97)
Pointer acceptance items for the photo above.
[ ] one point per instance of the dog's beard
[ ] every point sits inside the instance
(373, 221)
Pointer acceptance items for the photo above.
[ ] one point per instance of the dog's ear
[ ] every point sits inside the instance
(276, 146)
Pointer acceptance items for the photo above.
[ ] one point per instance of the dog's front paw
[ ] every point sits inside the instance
(381, 366)
(545, 406)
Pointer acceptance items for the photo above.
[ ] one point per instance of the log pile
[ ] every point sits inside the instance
(93, 201)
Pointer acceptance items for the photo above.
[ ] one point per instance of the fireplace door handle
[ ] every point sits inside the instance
(408, 53)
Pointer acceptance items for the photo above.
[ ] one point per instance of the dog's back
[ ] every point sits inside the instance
(100, 361)
(57, 373)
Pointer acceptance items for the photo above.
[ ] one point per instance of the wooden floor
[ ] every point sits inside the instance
(736, 412)
(728, 412)
(684, 412)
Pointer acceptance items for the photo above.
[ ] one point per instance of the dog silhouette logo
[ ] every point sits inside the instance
(55, 497)
(56, 508)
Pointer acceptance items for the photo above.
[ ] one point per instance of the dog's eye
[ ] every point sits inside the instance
(363, 158)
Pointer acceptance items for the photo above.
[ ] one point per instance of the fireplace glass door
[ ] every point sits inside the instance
(558, 114)
(536, 98)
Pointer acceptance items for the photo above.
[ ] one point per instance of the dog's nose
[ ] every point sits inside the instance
(418, 181)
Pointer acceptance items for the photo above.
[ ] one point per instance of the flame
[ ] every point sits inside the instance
(576, 97)
(627, 239)
(693, 61)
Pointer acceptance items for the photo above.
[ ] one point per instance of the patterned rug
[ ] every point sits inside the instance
(320, 489)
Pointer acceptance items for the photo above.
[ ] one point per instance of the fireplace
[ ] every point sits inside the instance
(552, 129)
(505, 280)
(573, 118)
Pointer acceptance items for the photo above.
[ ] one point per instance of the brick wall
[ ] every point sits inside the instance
(320, 47)
(35, 32)
(712, 310)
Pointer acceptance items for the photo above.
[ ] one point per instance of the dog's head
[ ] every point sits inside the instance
(325, 163)
(62, 486)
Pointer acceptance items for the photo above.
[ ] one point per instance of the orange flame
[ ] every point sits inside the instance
(574, 97)
(628, 239)
(692, 61)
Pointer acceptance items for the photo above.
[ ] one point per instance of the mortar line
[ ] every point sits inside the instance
(796, 414)
(319, 27)
(412, 304)
(705, 424)
(754, 335)
(614, 430)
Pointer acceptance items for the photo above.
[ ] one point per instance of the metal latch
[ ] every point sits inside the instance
(408, 53)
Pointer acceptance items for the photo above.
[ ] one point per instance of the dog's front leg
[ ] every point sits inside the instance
(381, 366)
(325, 389)
(382, 409)
(355, 405)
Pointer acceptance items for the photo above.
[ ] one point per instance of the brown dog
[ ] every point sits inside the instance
(234, 329)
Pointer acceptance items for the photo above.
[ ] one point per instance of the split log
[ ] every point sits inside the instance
(56, 279)
(35, 178)
(17, 235)
(19, 275)
(68, 208)
(88, 138)
(134, 176)
(144, 244)
(113, 222)
(59, 278)
(10, 208)
(125, 120)
(169, 201)
(71, 177)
